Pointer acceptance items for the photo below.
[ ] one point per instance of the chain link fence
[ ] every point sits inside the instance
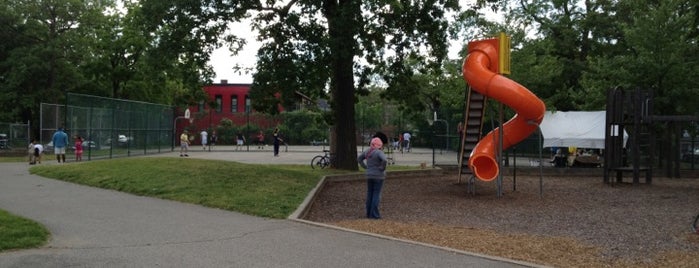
(14, 136)
(109, 127)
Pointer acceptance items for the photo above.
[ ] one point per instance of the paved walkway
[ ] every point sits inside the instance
(93, 227)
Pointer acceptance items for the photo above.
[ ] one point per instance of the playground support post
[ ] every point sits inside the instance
(499, 151)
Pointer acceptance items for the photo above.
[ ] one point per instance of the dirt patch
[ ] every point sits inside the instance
(576, 222)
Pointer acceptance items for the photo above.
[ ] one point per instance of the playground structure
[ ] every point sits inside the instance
(651, 137)
(483, 69)
(628, 110)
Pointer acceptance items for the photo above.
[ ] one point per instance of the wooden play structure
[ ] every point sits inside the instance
(651, 137)
(628, 111)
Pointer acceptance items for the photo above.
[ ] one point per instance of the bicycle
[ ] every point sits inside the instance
(321, 161)
(695, 225)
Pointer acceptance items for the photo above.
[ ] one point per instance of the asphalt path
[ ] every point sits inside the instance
(92, 227)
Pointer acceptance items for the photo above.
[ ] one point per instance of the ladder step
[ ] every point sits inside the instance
(472, 131)
(476, 96)
(475, 106)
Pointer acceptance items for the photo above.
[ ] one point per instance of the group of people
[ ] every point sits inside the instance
(402, 142)
(186, 140)
(575, 157)
(59, 140)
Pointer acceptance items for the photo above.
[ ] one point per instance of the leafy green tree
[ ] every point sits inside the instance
(564, 29)
(45, 43)
(319, 46)
(304, 126)
(571, 52)
(656, 50)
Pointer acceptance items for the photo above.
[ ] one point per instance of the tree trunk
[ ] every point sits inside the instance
(342, 26)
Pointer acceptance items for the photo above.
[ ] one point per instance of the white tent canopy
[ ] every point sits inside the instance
(575, 129)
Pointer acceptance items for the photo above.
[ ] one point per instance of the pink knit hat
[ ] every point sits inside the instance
(376, 143)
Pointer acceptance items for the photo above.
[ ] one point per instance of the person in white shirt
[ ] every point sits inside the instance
(204, 139)
(35, 151)
(406, 141)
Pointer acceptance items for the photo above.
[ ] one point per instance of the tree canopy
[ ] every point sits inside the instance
(568, 52)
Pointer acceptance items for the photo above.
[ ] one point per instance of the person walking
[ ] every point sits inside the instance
(184, 143)
(204, 138)
(60, 141)
(374, 161)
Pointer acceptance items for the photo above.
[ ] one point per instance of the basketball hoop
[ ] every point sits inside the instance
(187, 115)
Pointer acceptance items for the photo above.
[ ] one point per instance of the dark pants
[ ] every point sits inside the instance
(373, 197)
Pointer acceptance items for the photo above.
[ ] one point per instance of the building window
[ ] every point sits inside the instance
(201, 106)
(247, 104)
(234, 104)
(219, 103)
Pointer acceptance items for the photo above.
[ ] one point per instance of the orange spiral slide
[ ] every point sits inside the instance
(480, 70)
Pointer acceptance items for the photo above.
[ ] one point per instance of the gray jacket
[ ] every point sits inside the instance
(375, 164)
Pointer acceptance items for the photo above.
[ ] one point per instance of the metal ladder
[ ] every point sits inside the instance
(472, 131)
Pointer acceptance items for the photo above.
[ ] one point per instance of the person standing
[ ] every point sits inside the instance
(239, 141)
(204, 138)
(78, 148)
(214, 137)
(260, 140)
(374, 161)
(184, 143)
(277, 141)
(406, 140)
(30, 152)
(60, 141)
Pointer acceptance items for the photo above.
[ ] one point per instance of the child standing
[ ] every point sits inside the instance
(30, 151)
(260, 140)
(78, 148)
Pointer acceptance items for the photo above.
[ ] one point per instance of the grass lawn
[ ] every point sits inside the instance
(273, 191)
(18, 233)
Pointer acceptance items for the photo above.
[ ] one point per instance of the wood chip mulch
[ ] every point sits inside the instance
(576, 222)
